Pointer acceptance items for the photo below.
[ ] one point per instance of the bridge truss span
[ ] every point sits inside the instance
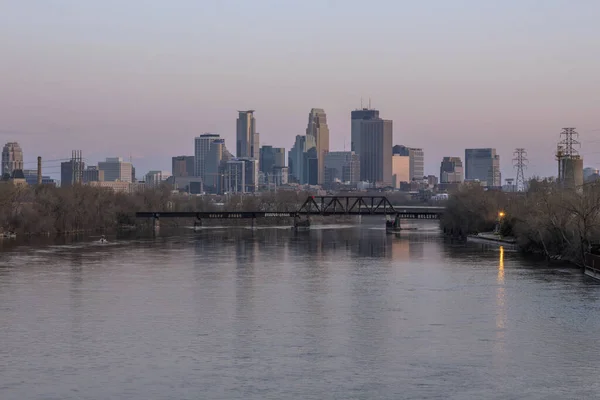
(351, 205)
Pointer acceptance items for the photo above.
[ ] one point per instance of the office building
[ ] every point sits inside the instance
(71, 172)
(298, 159)
(372, 139)
(92, 174)
(271, 157)
(12, 158)
(400, 170)
(417, 160)
(451, 170)
(212, 165)
(279, 176)
(183, 166)
(201, 148)
(247, 139)
(317, 128)
(235, 177)
(356, 117)
(31, 178)
(156, 178)
(483, 165)
(342, 166)
(115, 169)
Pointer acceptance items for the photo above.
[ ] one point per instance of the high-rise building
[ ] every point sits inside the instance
(271, 157)
(317, 128)
(201, 148)
(183, 166)
(297, 159)
(155, 178)
(356, 117)
(400, 170)
(417, 160)
(12, 158)
(372, 139)
(483, 165)
(213, 161)
(342, 166)
(279, 176)
(92, 174)
(451, 170)
(250, 175)
(235, 177)
(247, 139)
(69, 172)
(115, 169)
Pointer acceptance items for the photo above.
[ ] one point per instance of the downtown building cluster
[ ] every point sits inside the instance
(372, 163)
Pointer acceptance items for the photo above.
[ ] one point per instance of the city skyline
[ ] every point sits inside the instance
(458, 76)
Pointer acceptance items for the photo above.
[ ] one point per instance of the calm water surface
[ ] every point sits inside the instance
(337, 313)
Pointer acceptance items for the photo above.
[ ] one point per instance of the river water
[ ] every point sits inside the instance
(340, 312)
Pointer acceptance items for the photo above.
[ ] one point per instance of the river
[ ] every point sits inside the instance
(339, 312)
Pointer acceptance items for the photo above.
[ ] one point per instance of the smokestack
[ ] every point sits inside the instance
(39, 171)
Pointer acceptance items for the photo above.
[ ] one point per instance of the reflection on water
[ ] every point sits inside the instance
(337, 312)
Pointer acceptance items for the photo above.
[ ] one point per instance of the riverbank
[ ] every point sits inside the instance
(557, 222)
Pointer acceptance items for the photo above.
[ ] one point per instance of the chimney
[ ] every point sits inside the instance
(39, 171)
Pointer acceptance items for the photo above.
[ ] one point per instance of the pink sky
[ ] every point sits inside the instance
(143, 78)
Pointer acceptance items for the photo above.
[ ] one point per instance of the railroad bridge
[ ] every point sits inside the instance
(313, 206)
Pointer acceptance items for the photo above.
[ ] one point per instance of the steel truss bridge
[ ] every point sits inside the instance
(314, 206)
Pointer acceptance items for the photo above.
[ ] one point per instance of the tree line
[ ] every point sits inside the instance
(561, 223)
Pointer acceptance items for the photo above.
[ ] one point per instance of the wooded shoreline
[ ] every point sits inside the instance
(560, 223)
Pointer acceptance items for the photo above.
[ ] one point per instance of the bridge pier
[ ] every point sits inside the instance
(156, 223)
(301, 225)
(393, 225)
(197, 223)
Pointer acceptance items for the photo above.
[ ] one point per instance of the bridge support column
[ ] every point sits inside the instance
(156, 223)
(393, 225)
(301, 225)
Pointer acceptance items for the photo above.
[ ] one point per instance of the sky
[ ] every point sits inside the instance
(142, 78)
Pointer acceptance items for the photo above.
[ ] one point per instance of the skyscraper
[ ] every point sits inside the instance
(271, 157)
(416, 160)
(356, 117)
(212, 181)
(372, 141)
(68, 175)
(115, 169)
(343, 166)
(483, 165)
(451, 170)
(297, 159)
(247, 139)
(400, 170)
(201, 148)
(183, 166)
(12, 158)
(317, 128)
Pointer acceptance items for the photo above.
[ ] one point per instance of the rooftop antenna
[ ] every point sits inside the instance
(369, 103)
(361, 103)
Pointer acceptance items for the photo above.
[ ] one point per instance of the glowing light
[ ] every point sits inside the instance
(501, 214)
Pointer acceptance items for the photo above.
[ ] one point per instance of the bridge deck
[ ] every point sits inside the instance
(404, 213)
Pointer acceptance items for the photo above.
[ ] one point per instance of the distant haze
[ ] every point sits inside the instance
(143, 78)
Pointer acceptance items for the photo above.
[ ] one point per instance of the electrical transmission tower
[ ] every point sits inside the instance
(520, 163)
(565, 151)
(76, 167)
